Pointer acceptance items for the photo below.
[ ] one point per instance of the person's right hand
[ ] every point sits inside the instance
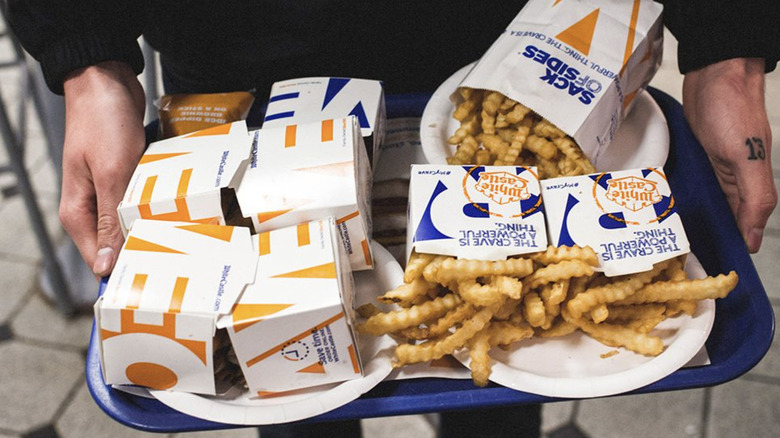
(104, 140)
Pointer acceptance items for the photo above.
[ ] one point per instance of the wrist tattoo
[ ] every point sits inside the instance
(756, 148)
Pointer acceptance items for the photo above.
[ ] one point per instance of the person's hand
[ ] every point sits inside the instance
(104, 140)
(724, 104)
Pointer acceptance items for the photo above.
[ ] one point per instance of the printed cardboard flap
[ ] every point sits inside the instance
(577, 63)
(181, 267)
(311, 99)
(298, 309)
(628, 217)
(475, 212)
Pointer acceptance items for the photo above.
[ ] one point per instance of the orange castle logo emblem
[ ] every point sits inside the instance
(632, 192)
(503, 187)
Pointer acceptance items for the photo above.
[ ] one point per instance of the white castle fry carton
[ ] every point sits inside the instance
(311, 99)
(577, 63)
(157, 316)
(628, 217)
(307, 172)
(292, 328)
(187, 178)
(475, 212)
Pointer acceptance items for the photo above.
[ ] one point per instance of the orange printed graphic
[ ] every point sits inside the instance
(631, 32)
(150, 158)
(632, 192)
(217, 130)
(151, 375)
(353, 358)
(315, 368)
(327, 130)
(245, 315)
(294, 339)
(580, 35)
(290, 133)
(182, 212)
(328, 270)
(136, 289)
(179, 288)
(135, 244)
(268, 215)
(348, 217)
(502, 187)
(366, 252)
(304, 236)
(264, 243)
(220, 232)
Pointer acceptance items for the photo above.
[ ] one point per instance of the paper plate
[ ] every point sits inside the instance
(573, 366)
(237, 407)
(641, 141)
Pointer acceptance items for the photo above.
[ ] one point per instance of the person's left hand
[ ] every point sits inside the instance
(724, 105)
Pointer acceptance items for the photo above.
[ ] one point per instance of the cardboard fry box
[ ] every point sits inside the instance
(305, 100)
(188, 178)
(475, 212)
(628, 217)
(312, 171)
(577, 63)
(292, 328)
(157, 316)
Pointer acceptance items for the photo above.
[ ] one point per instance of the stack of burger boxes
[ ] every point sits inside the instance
(304, 100)
(241, 241)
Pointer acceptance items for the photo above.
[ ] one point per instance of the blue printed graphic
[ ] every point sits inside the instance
(426, 230)
(334, 86)
(286, 96)
(477, 210)
(612, 221)
(360, 113)
(564, 239)
(282, 115)
(476, 173)
(529, 206)
(664, 208)
(603, 181)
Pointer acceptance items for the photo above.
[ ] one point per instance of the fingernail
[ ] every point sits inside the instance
(754, 239)
(104, 261)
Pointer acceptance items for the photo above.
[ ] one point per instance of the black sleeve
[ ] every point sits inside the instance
(66, 35)
(709, 31)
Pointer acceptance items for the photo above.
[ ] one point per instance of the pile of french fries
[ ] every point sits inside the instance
(496, 130)
(446, 304)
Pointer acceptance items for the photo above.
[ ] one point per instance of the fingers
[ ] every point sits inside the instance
(110, 187)
(78, 213)
(757, 199)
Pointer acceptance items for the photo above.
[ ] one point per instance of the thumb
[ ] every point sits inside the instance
(109, 232)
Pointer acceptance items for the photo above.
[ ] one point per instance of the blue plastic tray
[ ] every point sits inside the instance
(741, 336)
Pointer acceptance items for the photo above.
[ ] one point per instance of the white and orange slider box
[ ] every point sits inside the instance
(475, 212)
(157, 316)
(312, 99)
(188, 178)
(293, 327)
(578, 63)
(628, 217)
(312, 171)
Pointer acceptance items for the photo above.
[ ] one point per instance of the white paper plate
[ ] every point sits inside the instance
(572, 366)
(237, 408)
(641, 141)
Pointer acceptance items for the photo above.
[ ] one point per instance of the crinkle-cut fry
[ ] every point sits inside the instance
(557, 272)
(493, 143)
(471, 100)
(414, 267)
(676, 270)
(494, 293)
(368, 310)
(430, 270)
(507, 134)
(546, 129)
(390, 322)
(676, 307)
(541, 147)
(547, 168)
(557, 254)
(455, 316)
(425, 352)
(533, 309)
(480, 365)
(452, 269)
(505, 332)
(465, 152)
(507, 104)
(553, 294)
(620, 336)
(407, 292)
(470, 126)
(483, 158)
(701, 289)
(507, 309)
(611, 293)
(621, 314)
(645, 325)
(490, 106)
(559, 327)
(515, 146)
(518, 113)
(599, 313)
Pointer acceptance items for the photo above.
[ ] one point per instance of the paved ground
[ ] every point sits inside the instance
(42, 382)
